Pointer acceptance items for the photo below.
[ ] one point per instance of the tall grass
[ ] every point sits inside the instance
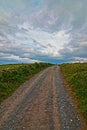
(12, 76)
(76, 75)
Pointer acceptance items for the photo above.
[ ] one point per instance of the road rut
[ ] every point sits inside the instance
(42, 103)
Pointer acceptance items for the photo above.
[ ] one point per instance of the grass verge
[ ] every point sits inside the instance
(76, 75)
(13, 75)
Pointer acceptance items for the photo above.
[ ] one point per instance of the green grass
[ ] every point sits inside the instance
(76, 75)
(13, 75)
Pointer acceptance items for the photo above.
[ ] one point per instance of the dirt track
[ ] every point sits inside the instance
(41, 103)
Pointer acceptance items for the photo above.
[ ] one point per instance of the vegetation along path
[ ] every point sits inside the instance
(42, 103)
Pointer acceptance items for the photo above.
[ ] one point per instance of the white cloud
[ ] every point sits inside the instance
(79, 59)
(30, 41)
(44, 42)
(11, 57)
(43, 29)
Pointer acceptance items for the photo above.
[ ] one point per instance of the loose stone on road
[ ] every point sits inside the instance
(42, 103)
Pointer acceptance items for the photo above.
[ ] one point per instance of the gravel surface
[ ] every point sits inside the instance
(42, 103)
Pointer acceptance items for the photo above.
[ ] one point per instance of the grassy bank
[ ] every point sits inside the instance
(76, 75)
(12, 76)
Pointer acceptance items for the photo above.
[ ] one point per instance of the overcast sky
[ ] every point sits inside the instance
(43, 31)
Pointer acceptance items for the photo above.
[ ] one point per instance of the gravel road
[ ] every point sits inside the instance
(42, 103)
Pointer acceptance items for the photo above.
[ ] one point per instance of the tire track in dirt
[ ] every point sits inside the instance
(41, 103)
(68, 116)
(15, 102)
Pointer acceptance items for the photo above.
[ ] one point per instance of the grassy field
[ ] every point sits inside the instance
(76, 75)
(13, 75)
